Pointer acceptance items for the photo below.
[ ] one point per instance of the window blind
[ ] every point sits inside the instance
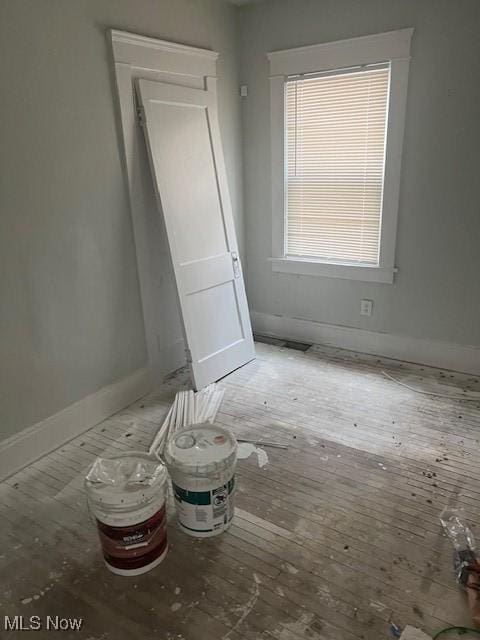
(335, 154)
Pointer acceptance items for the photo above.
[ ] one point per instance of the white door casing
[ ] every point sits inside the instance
(184, 145)
(135, 56)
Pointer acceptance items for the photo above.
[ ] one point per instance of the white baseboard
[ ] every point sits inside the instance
(45, 436)
(444, 355)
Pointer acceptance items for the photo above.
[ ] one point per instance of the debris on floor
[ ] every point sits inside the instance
(261, 443)
(467, 572)
(413, 633)
(188, 408)
(471, 396)
(466, 565)
(191, 408)
(245, 450)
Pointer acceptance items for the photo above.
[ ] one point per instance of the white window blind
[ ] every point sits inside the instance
(335, 155)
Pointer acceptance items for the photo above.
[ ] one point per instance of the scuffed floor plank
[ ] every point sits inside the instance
(333, 539)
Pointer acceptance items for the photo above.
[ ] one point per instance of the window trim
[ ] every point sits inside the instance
(393, 47)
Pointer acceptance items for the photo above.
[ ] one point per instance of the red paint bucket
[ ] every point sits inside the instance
(126, 496)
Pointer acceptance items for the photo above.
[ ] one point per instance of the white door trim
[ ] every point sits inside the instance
(134, 57)
(162, 55)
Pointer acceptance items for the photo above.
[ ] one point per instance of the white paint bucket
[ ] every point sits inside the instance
(127, 497)
(201, 461)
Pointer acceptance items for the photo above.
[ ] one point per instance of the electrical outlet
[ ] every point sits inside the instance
(366, 307)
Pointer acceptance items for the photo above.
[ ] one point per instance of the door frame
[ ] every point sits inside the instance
(135, 56)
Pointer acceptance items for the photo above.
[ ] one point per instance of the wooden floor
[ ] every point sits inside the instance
(332, 539)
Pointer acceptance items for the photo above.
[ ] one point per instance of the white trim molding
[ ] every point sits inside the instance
(36, 441)
(161, 55)
(392, 47)
(379, 47)
(126, 38)
(307, 267)
(444, 355)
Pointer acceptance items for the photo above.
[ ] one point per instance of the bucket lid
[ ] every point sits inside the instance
(125, 480)
(201, 449)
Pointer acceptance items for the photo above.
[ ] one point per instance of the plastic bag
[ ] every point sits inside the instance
(456, 528)
(125, 471)
(467, 568)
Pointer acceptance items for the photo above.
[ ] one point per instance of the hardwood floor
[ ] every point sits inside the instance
(333, 539)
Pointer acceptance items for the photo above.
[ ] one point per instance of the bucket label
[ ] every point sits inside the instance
(205, 511)
(134, 546)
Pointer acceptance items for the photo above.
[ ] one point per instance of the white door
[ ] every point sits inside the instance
(183, 141)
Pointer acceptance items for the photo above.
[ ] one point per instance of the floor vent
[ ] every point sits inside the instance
(277, 342)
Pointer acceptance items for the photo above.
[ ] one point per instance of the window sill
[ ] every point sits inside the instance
(328, 270)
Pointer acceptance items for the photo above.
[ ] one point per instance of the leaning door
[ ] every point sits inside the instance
(183, 141)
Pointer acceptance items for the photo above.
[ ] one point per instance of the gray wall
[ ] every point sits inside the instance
(436, 292)
(71, 319)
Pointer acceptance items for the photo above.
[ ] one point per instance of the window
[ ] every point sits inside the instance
(335, 131)
(336, 147)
